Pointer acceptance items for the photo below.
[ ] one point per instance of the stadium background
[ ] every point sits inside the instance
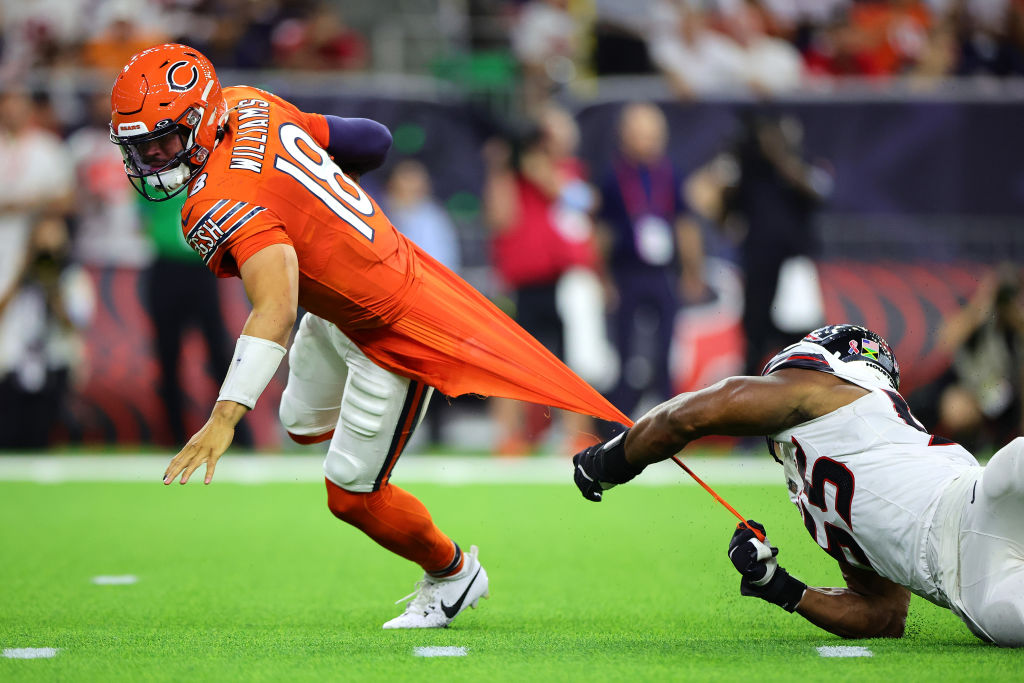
(929, 185)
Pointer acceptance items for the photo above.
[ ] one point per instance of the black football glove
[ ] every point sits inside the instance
(762, 575)
(600, 467)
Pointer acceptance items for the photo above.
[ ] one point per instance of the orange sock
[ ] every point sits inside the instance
(397, 520)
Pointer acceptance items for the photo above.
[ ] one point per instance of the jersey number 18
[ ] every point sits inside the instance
(318, 173)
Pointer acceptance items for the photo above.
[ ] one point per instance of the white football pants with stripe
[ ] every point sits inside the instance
(332, 385)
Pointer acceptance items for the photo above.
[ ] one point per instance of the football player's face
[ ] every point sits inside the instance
(156, 153)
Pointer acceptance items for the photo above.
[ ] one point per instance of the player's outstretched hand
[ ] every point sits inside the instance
(600, 467)
(762, 575)
(585, 473)
(206, 446)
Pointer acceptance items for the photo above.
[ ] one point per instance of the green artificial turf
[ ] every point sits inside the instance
(260, 583)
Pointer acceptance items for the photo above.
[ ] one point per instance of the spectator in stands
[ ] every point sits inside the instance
(771, 65)
(41, 314)
(235, 35)
(123, 35)
(320, 40)
(580, 292)
(35, 176)
(989, 37)
(36, 35)
(579, 295)
(699, 60)
(833, 49)
(980, 402)
(799, 20)
(877, 38)
(695, 59)
(544, 40)
(894, 34)
(1015, 36)
(618, 37)
(412, 208)
(106, 216)
(938, 59)
(523, 193)
(775, 194)
(653, 253)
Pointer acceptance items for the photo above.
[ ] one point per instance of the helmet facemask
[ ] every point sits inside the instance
(160, 163)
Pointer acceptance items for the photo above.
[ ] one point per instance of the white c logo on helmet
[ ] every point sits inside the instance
(187, 86)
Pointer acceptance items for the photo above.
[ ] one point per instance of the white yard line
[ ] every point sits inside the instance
(412, 468)
(844, 651)
(439, 652)
(115, 580)
(30, 652)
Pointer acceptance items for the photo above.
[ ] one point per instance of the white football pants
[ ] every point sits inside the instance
(992, 548)
(332, 385)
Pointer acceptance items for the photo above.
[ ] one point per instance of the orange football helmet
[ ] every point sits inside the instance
(167, 114)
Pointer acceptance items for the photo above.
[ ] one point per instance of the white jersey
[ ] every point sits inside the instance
(868, 479)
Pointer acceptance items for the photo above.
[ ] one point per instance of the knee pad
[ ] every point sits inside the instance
(303, 424)
(291, 414)
(349, 472)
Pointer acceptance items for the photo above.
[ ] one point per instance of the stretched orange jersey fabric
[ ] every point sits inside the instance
(269, 181)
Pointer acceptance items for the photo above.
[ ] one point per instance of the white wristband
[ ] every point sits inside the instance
(252, 367)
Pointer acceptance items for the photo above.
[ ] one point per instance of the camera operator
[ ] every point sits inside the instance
(41, 314)
(980, 400)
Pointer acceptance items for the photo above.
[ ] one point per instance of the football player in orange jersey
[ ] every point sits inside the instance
(268, 201)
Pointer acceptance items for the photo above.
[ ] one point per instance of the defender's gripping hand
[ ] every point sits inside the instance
(753, 558)
(762, 575)
(599, 468)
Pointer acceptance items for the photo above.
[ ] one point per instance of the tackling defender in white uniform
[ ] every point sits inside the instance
(899, 509)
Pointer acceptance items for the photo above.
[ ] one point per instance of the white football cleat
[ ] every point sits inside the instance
(436, 602)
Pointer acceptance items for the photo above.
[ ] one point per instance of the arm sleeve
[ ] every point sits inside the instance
(357, 145)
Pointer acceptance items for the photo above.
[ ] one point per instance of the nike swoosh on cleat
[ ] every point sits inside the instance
(451, 610)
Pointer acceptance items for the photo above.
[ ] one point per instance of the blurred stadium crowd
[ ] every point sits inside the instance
(701, 44)
(596, 260)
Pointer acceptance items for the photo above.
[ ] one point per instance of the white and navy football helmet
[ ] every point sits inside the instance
(851, 352)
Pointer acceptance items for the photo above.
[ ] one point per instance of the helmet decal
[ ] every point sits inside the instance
(858, 350)
(133, 128)
(172, 79)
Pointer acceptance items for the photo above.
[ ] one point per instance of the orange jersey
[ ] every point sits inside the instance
(269, 181)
